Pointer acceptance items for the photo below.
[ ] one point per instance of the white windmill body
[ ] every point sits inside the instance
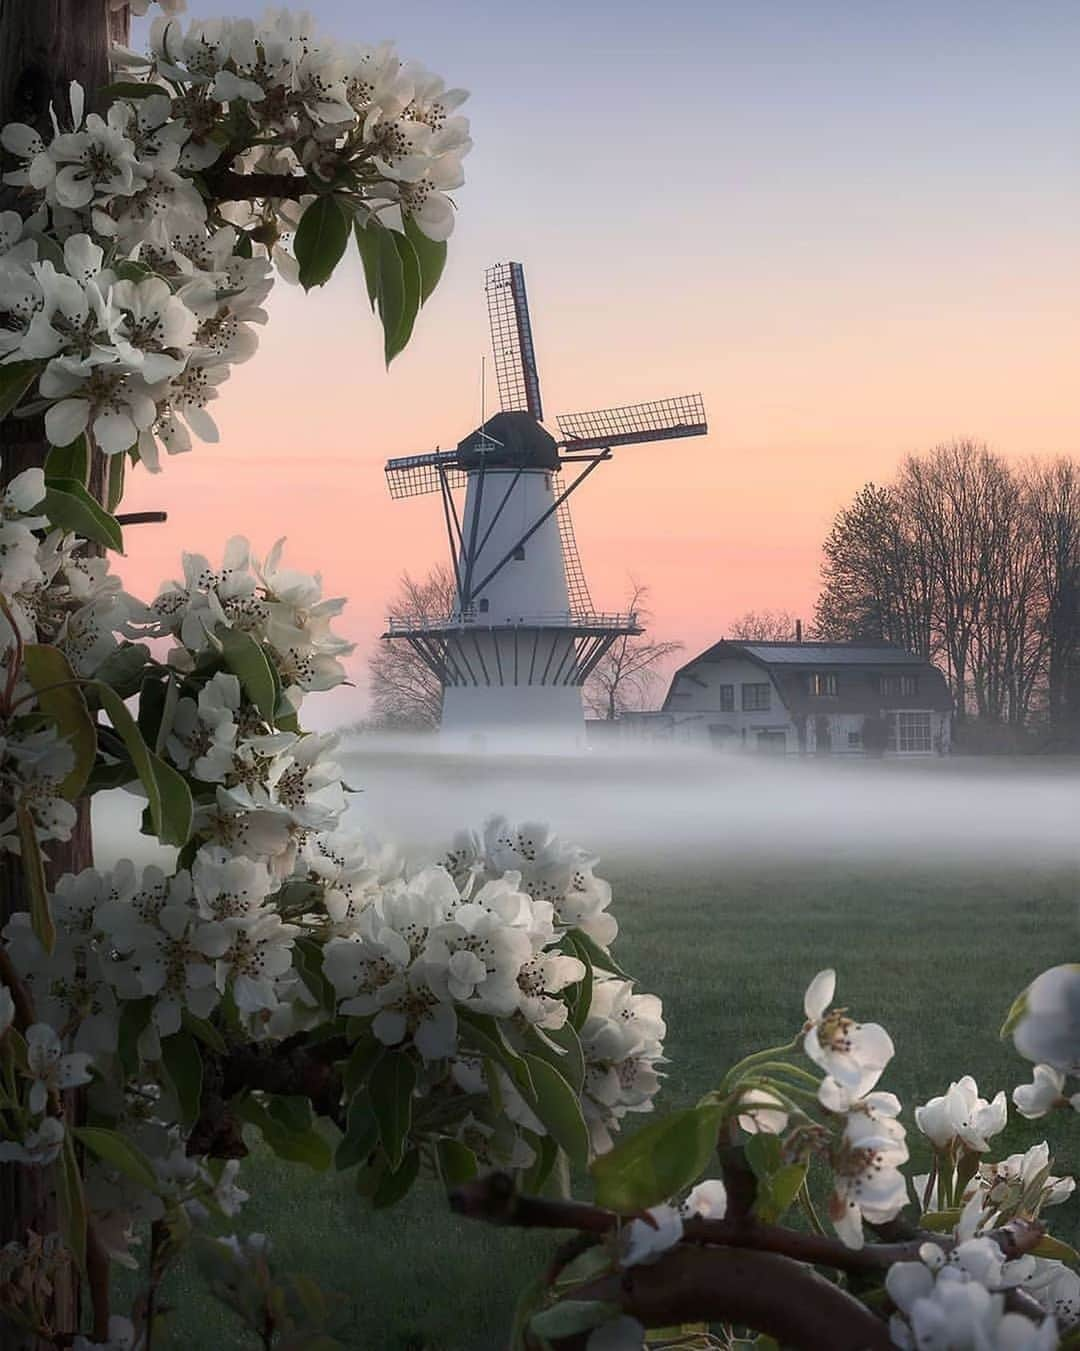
(522, 636)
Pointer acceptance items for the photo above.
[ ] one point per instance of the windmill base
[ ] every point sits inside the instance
(538, 718)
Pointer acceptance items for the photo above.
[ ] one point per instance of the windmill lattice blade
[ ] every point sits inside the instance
(414, 475)
(511, 340)
(663, 420)
(576, 586)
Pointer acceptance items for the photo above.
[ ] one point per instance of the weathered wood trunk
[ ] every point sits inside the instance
(44, 45)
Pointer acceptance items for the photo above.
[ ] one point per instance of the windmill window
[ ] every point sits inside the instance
(519, 554)
(483, 605)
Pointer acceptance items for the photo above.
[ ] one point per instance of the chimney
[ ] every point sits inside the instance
(798, 630)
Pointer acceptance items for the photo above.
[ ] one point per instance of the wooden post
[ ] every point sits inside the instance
(44, 45)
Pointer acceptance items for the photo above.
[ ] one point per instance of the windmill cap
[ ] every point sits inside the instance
(522, 444)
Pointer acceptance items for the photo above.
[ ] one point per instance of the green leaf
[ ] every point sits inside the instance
(581, 993)
(119, 1153)
(245, 658)
(206, 1032)
(560, 1047)
(366, 1054)
(183, 1063)
(307, 956)
(72, 461)
(130, 89)
(764, 1155)
(410, 302)
(393, 1186)
(71, 1201)
(47, 666)
(70, 507)
(33, 866)
(114, 487)
(391, 291)
(573, 1315)
(366, 234)
(546, 1151)
(430, 254)
(597, 955)
(124, 668)
(361, 1133)
(320, 240)
(16, 377)
(1058, 1251)
(457, 1162)
(298, 1146)
(393, 1081)
(171, 807)
(775, 1196)
(658, 1161)
(557, 1106)
(135, 1017)
(482, 1033)
(940, 1221)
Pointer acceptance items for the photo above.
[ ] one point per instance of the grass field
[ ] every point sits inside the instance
(934, 955)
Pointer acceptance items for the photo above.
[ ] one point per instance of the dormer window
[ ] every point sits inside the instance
(899, 686)
(823, 684)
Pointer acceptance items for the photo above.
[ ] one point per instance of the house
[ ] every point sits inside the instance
(814, 698)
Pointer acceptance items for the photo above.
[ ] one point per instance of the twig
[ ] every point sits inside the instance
(97, 1273)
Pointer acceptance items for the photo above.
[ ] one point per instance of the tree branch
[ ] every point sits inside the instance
(228, 186)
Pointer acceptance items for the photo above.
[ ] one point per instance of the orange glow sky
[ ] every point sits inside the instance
(854, 229)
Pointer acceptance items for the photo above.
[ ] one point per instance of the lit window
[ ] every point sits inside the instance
(823, 683)
(756, 698)
(726, 695)
(899, 686)
(910, 732)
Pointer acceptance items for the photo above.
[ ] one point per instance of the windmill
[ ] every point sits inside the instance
(523, 635)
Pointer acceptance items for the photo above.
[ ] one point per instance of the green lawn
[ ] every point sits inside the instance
(936, 956)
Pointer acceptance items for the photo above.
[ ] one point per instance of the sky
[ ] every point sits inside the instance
(851, 227)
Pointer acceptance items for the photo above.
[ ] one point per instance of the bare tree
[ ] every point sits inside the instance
(1053, 506)
(630, 669)
(763, 626)
(406, 695)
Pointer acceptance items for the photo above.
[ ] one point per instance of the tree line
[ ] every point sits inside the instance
(973, 563)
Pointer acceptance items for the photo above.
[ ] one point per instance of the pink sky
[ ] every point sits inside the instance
(856, 248)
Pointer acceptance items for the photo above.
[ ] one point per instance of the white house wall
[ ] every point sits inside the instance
(694, 703)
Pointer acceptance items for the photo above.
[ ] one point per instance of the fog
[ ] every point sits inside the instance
(665, 809)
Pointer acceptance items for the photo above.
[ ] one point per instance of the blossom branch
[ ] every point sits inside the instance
(493, 1199)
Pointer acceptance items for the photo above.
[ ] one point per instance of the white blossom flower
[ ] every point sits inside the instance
(50, 1069)
(867, 1183)
(1048, 1031)
(647, 1239)
(39, 1147)
(708, 1200)
(854, 1054)
(963, 1116)
(1045, 1092)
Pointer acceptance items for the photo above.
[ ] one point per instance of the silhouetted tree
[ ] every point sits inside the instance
(763, 626)
(629, 671)
(406, 695)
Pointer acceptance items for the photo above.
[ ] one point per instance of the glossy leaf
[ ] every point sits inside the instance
(72, 461)
(125, 668)
(135, 1017)
(391, 298)
(570, 1316)
(245, 658)
(410, 299)
(597, 955)
(33, 868)
(114, 484)
(320, 240)
(431, 256)
(119, 1153)
(16, 377)
(296, 1145)
(658, 1161)
(361, 1133)
(558, 1107)
(394, 1185)
(71, 1202)
(457, 1162)
(170, 804)
(366, 1054)
(59, 696)
(560, 1047)
(393, 1081)
(366, 234)
(184, 1066)
(70, 507)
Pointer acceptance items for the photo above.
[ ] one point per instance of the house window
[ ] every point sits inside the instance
(519, 554)
(726, 695)
(854, 740)
(823, 683)
(910, 732)
(898, 686)
(755, 698)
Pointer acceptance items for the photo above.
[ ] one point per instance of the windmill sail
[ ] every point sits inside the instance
(512, 341)
(576, 586)
(414, 475)
(662, 420)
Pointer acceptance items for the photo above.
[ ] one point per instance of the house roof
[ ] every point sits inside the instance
(856, 666)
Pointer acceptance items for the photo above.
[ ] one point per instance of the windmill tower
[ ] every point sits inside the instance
(522, 636)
